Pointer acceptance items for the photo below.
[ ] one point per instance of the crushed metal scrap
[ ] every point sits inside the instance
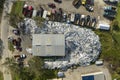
(82, 45)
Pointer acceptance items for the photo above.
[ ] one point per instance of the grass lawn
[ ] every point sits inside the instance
(118, 15)
(17, 8)
(10, 46)
(110, 42)
(1, 76)
(1, 8)
(16, 13)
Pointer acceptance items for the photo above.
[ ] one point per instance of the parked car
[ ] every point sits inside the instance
(82, 20)
(77, 18)
(23, 56)
(93, 22)
(112, 1)
(59, 1)
(109, 15)
(68, 18)
(87, 20)
(76, 3)
(72, 18)
(14, 42)
(51, 5)
(60, 14)
(61, 11)
(83, 2)
(89, 8)
(109, 8)
(19, 39)
(16, 56)
(99, 63)
(90, 2)
(64, 17)
(19, 48)
(40, 12)
(16, 32)
(28, 11)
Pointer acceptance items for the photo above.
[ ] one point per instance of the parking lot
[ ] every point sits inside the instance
(68, 7)
(76, 73)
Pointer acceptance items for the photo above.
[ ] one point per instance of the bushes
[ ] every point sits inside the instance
(10, 46)
(1, 76)
(16, 13)
(1, 7)
(33, 72)
(115, 25)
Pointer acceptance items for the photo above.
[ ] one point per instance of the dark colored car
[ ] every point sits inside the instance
(16, 32)
(77, 18)
(19, 39)
(111, 1)
(87, 20)
(109, 15)
(110, 9)
(76, 3)
(89, 8)
(16, 56)
(19, 48)
(14, 41)
(58, 1)
(82, 20)
(61, 11)
(93, 22)
(40, 12)
(51, 5)
(90, 2)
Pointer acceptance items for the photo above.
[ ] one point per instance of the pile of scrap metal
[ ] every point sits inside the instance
(82, 46)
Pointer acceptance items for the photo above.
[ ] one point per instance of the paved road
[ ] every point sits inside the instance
(4, 35)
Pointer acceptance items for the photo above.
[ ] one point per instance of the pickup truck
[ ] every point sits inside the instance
(76, 3)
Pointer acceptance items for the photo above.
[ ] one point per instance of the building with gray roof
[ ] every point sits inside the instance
(48, 45)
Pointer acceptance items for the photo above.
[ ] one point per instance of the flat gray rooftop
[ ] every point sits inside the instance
(48, 45)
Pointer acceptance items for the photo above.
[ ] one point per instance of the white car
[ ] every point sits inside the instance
(23, 56)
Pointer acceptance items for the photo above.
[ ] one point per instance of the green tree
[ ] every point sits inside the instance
(115, 25)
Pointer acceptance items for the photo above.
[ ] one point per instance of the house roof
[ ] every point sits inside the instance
(48, 45)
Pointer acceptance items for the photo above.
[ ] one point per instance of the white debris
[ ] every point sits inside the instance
(82, 46)
(29, 50)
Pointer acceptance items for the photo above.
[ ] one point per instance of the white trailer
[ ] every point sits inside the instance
(104, 26)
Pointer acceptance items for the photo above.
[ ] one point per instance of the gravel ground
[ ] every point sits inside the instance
(67, 6)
